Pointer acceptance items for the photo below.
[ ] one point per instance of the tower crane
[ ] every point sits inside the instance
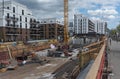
(65, 21)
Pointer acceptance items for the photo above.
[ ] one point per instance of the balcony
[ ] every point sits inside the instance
(13, 26)
(7, 25)
(32, 32)
(14, 19)
(12, 33)
(34, 28)
(8, 18)
(60, 29)
(38, 22)
(34, 22)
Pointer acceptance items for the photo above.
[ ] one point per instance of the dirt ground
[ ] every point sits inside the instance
(35, 70)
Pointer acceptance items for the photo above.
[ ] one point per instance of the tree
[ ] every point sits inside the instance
(118, 28)
(113, 32)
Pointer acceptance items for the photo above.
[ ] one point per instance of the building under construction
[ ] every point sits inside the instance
(14, 21)
(51, 59)
(46, 29)
(9, 34)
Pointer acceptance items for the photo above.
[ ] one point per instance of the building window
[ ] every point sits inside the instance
(30, 19)
(7, 7)
(22, 12)
(20, 18)
(25, 19)
(13, 9)
(8, 15)
(20, 25)
(8, 23)
(26, 26)
(44, 21)
(13, 16)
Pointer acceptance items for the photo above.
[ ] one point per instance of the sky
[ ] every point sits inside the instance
(107, 10)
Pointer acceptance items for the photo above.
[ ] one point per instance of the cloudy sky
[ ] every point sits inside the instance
(107, 10)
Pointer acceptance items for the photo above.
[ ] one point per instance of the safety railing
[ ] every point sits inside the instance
(96, 70)
(89, 53)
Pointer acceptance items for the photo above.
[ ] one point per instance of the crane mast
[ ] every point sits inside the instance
(65, 21)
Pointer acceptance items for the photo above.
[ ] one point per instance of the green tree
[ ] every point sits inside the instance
(118, 28)
(113, 32)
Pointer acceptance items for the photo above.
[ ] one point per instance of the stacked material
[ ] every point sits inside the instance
(4, 57)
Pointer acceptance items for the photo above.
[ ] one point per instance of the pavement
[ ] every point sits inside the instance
(114, 59)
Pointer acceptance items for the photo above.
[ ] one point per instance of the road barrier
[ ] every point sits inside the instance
(89, 53)
(96, 70)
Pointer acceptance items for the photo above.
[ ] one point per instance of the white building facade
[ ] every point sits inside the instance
(83, 25)
(50, 21)
(13, 13)
(14, 21)
(71, 29)
(100, 27)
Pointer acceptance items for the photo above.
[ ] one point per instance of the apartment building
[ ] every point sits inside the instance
(49, 28)
(100, 27)
(14, 21)
(71, 28)
(83, 25)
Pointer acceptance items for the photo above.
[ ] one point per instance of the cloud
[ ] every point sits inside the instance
(54, 8)
(44, 1)
(44, 8)
(109, 12)
(94, 12)
(106, 13)
(103, 12)
(111, 17)
(95, 18)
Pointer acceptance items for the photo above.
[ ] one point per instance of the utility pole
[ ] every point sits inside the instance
(65, 21)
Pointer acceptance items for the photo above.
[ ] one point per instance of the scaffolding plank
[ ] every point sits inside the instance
(92, 74)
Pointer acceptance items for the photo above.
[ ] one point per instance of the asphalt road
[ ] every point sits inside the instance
(114, 59)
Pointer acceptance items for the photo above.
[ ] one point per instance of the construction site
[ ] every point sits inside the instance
(51, 60)
(78, 57)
